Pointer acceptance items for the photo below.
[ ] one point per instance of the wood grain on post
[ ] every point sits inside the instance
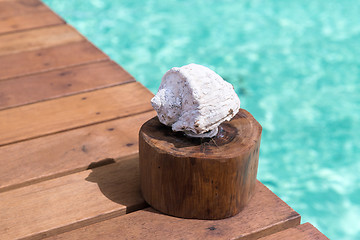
(200, 178)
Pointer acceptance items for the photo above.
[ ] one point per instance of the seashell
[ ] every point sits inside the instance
(195, 100)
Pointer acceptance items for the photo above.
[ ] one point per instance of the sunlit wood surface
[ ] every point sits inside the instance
(69, 123)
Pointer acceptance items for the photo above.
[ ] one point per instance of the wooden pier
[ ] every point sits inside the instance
(69, 122)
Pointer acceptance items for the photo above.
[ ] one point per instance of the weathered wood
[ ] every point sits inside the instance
(45, 59)
(20, 7)
(27, 19)
(264, 215)
(58, 83)
(38, 38)
(39, 119)
(200, 178)
(71, 201)
(28, 162)
(54, 196)
(304, 231)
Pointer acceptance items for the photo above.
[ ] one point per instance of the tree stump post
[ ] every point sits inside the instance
(203, 178)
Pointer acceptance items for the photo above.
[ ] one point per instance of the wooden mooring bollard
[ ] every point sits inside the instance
(203, 178)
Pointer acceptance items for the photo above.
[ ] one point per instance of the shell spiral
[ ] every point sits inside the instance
(195, 100)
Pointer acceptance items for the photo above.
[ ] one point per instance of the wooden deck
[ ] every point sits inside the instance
(69, 122)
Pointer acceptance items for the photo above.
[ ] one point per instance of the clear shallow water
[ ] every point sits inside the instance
(295, 65)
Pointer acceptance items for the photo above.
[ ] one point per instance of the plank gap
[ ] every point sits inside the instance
(59, 83)
(70, 151)
(29, 21)
(304, 231)
(55, 69)
(71, 112)
(38, 38)
(72, 201)
(92, 165)
(69, 129)
(265, 214)
(48, 59)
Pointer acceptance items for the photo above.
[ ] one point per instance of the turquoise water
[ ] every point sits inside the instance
(294, 64)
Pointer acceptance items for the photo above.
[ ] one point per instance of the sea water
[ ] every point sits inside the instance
(294, 64)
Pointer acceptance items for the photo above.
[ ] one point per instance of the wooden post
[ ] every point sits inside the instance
(203, 178)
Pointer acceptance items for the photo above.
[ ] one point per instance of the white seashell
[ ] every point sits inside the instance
(195, 100)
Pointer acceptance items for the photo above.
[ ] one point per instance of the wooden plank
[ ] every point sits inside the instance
(45, 59)
(71, 201)
(28, 162)
(29, 21)
(38, 38)
(304, 231)
(39, 119)
(20, 7)
(43, 86)
(264, 215)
